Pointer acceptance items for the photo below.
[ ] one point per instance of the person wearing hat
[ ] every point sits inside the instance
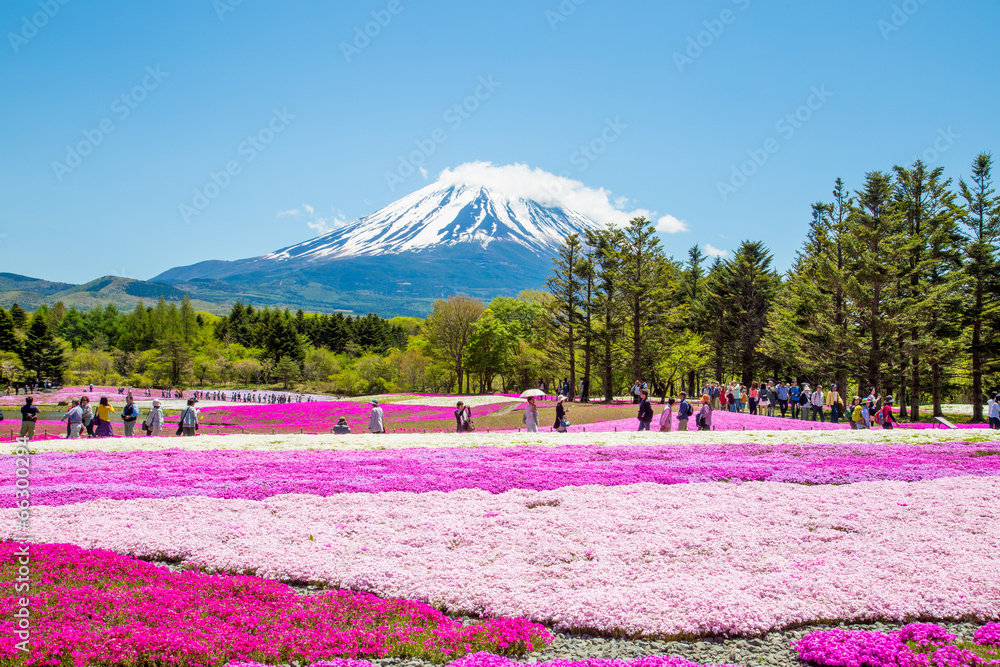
(154, 420)
(683, 412)
(885, 414)
(645, 415)
(342, 428)
(834, 403)
(188, 422)
(375, 423)
(805, 397)
(560, 414)
(866, 413)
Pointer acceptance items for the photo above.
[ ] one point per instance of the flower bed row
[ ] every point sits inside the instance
(914, 645)
(61, 479)
(100, 607)
(644, 559)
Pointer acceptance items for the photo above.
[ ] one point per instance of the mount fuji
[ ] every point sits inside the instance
(478, 230)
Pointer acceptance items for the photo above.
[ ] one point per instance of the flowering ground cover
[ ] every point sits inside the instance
(913, 645)
(61, 478)
(641, 559)
(100, 607)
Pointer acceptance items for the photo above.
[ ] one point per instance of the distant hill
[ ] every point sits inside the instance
(122, 292)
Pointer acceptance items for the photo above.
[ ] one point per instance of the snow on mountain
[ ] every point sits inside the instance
(444, 214)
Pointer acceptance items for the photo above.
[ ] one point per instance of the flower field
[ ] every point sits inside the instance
(607, 532)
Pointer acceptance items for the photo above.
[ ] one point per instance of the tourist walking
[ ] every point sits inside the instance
(645, 415)
(29, 415)
(530, 416)
(793, 399)
(884, 416)
(375, 418)
(463, 417)
(130, 413)
(74, 420)
(666, 417)
(782, 392)
(560, 423)
(188, 422)
(683, 413)
(704, 418)
(153, 422)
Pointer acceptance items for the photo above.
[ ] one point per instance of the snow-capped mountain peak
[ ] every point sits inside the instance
(445, 214)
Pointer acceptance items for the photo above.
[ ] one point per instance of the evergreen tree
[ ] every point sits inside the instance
(42, 353)
(9, 341)
(605, 304)
(643, 283)
(20, 317)
(564, 286)
(981, 223)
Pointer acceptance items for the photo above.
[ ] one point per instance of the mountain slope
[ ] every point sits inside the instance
(442, 240)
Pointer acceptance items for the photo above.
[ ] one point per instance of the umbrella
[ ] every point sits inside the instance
(532, 392)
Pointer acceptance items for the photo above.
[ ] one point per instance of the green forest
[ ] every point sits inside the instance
(896, 286)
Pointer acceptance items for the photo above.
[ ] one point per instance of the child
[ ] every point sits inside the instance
(666, 419)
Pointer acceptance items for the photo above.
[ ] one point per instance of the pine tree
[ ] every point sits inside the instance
(564, 286)
(20, 317)
(981, 223)
(42, 353)
(644, 285)
(9, 341)
(605, 302)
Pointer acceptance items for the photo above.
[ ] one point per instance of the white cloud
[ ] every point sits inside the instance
(668, 224)
(712, 251)
(309, 209)
(291, 211)
(423, 172)
(521, 181)
(325, 225)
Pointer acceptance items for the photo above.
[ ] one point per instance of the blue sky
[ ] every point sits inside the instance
(306, 111)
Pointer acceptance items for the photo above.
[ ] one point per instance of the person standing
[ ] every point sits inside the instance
(835, 404)
(866, 414)
(782, 392)
(463, 416)
(530, 416)
(683, 413)
(993, 411)
(188, 421)
(666, 417)
(738, 397)
(585, 389)
(817, 404)
(130, 413)
(104, 410)
(74, 420)
(88, 415)
(704, 418)
(154, 419)
(636, 390)
(805, 397)
(754, 396)
(29, 415)
(713, 393)
(793, 400)
(645, 415)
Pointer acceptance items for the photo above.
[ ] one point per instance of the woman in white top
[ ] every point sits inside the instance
(530, 417)
(154, 419)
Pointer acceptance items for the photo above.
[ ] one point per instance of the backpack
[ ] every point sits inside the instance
(856, 415)
(880, 417)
